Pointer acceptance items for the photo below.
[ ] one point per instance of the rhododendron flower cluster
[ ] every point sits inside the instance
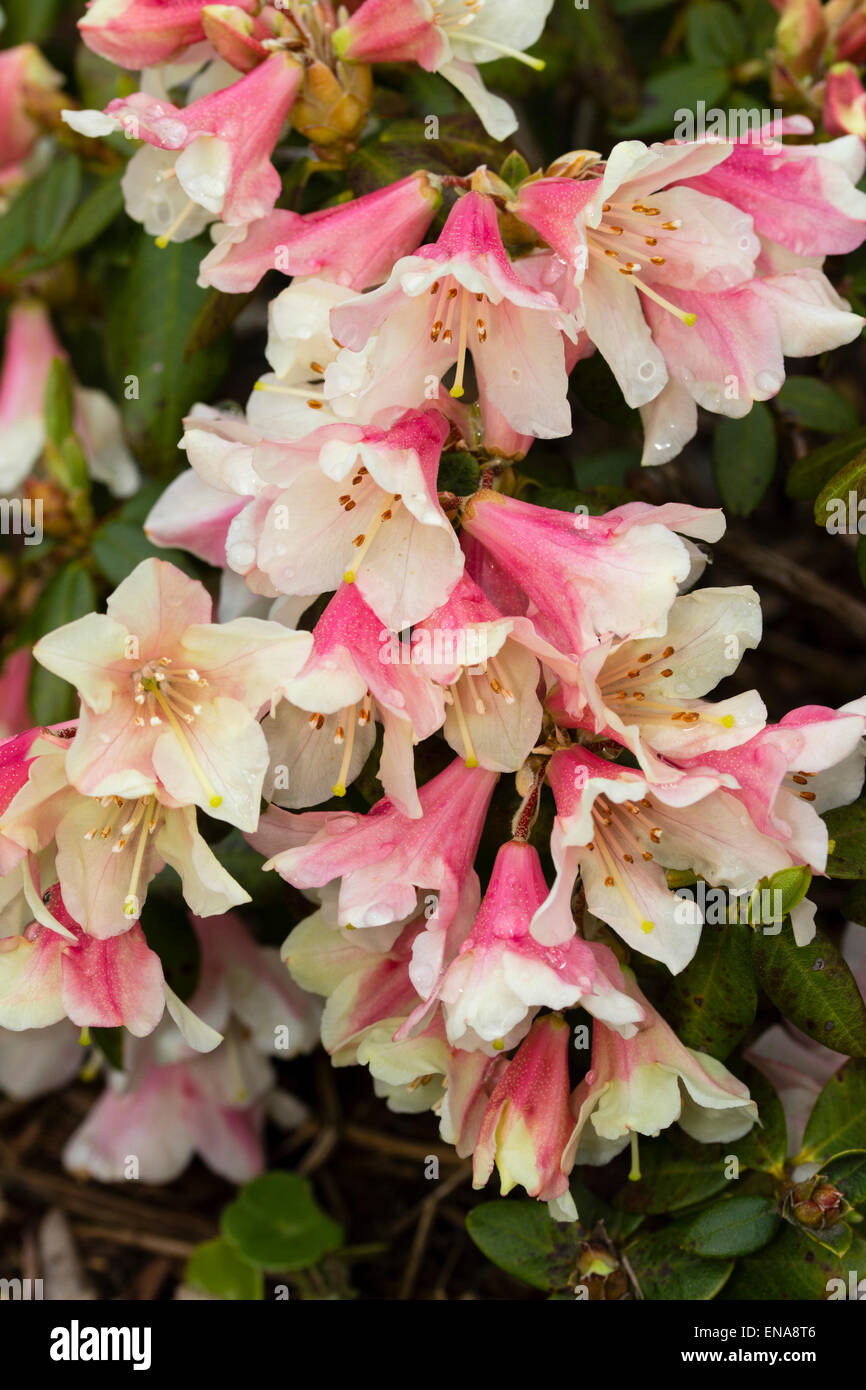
(475, 730)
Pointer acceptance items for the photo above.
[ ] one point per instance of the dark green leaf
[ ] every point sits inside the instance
(58, 193)
(811, 472)
(458, 473)
(766, 1145)
(846, 826)
(110, 1043)
(711, 1004)
(792, 1267)
(714, 34)
(844, 491)
(672, 1178)
(119, 546)
(29, 21)
(154, 307)
(68, 596)
(744, 459)
(735, 1226)
(168, 932)
(814, 988)
(676, 90)
(89, 219)
(217, 1268)
(58, 404)
(276, 1224)
(665, 1271)
(523, 1240)
(814, 405)
(838, 1118)
(847, 1173)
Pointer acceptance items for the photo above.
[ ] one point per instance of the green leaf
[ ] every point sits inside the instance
(217, 1268)
(711, 1004)
(811, 472)
(58, 193)
(29, 21)
(276, 1223)
(833, 501)
(68, 596)
(854, 903)
(151, 315)
(678, 89)
(836, 1238)
(521, 1238)
(814, 405)
(814, 988)
(665, 1271)
(595, 387)
(110, 1043)
(714, 34)
(847, 1173)
(765, 1147)
(119, 546)
(735, 1226)
(593, 1211)
(838, 1119)
(846, 826)
(514, 169)
(672, 1178)
(744, 459)
(458, 473)
(89, 219)
(58, 404)
(791, 1268)
(168, 932)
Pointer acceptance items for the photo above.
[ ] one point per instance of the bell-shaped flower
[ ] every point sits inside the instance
(621, 832)
(346, 683)
(461, 296)
(489, 665)
(31, 347)
(96, 984)
(643, 1084)
(216, 152)
(170, 699)
(384, 858)
(354, 244)
(527, 1123)
(502, 974)
(590, 576)
(106, 849)
(449, 37)
(789, 773)
(22, 68)
(141, 33)
(633, 234)
(645, 693)
(360, 504)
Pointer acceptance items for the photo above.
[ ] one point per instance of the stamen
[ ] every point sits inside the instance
(471, 759)
(457, 389)
(214, 799)
(162, 241)
(339, 787)
(365, 540)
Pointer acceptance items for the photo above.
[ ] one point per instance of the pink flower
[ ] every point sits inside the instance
(354, 243)
(224, 139)
(527, 1122)
(95, 984)
(642, 692)
(461, 295)
(169, 699)
(643, 1084)
(590, 576)
(790, 772)
(633, 235)
(139, 33)
(489, 663)
(502, 975)
(106, 849)
(448, 37)
(360, 504)
(617, 829)
(384, 858)
(344, 686)
(21, 68)
(844, 110)
(31, 347)
(39, 1060)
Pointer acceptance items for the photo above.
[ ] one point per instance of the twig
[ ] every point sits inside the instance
(422, 1231)
(795, 579)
